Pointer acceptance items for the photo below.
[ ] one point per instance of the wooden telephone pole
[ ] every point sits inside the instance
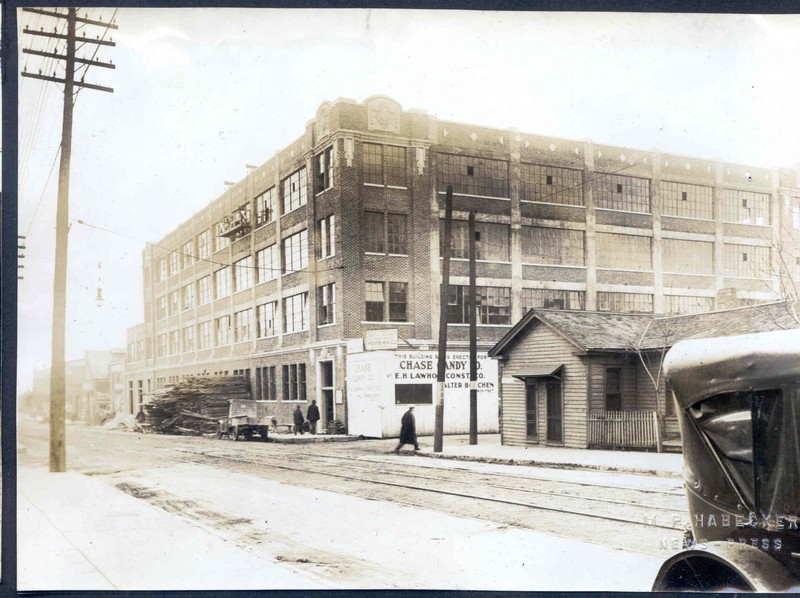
(57, 368)
(438, 425)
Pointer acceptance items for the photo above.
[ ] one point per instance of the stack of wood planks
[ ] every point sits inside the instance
(193, 406)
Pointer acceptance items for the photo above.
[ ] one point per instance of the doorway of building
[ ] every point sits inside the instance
(531, 427)
(326, 391)
(554, 412)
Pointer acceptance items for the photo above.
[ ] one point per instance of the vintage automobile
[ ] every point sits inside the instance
(738, 400)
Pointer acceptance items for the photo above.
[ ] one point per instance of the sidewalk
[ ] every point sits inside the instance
(489, 450)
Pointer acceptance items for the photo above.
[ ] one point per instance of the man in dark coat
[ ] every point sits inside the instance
(408, 430)
(313, 417)
(299, 420)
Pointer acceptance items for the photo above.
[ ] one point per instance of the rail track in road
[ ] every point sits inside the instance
(563, 500)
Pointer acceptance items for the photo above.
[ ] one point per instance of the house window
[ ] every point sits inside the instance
(617, 192)
(493, 305)
(162, 345)
(162, 269)
(551, 185)
(396, 234)
(243, 274)
(325, 237)
(746, 261)
(491, 240)
(161, 307)
(375, 237)
(687, 201)
(242, 325)
(294, 382)
(613, 389)
(324, 170)
(686, 304)
(174, 303)
(188, 296)
(745, 207)
(326, 301)
(174, 342)
(265, 383)
(473, 176)
(295, 191)
(174, 263)
(204, 290)
(688, 257)
(265, 314)
(384, 165)
(222, 282)
(204, 244)
(625, 302)
(295, 252)
(376, 303)
(552, 299)
(187, 254)
(188, 339)
(223, 330)
(552, 246)
(267, 263)
(295, 313)
(265, 207)
(624, 252)
(204, 335)
(220, 241)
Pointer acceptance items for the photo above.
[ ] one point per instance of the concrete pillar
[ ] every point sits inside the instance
(591, 223)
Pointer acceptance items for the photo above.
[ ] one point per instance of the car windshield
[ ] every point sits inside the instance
(776, 424)
(755, 435)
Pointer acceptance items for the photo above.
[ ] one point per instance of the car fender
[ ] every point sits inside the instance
(721, 565)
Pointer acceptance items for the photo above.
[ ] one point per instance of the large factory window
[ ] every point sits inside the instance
(473, 176)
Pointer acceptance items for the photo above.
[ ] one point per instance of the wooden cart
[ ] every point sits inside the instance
(246, 419)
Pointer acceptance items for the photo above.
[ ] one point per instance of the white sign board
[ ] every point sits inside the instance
(415, 367)
(380, 340)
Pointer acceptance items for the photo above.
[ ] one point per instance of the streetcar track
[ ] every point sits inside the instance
(240, 459)
(529, 490)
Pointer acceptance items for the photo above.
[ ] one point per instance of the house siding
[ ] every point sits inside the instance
(543, 348)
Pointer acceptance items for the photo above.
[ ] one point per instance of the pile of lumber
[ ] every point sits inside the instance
(193, 406)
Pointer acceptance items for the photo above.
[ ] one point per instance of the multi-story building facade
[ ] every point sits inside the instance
(339, 234)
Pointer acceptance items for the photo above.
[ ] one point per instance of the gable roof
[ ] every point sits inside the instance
(604, 331)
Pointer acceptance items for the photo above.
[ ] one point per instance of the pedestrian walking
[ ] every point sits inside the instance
(299, 420)
(408, 431)
(313, 417)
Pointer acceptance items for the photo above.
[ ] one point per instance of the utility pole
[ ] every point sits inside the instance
(473, 336)
(438, 431)
(58, 455)
(21, 246)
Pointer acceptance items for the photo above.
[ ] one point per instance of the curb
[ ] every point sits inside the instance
(310, 438)
(550, 465)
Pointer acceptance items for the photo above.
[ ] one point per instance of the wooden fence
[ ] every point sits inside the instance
(624, 429)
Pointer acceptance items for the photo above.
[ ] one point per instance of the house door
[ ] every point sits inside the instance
(326, 391)
(554, 411)
(531, 431)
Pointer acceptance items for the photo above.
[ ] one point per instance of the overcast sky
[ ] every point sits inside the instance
(199, 93)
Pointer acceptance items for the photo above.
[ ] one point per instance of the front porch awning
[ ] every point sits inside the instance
(542, 372)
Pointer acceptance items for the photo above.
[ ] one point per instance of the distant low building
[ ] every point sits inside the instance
(586, 379)
(40, 398)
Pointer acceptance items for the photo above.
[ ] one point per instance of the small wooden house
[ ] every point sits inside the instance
(586, 379)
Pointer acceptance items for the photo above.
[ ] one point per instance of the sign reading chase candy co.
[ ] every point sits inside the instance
(415, 367)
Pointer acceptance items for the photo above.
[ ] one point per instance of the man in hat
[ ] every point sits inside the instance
(408, 431)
